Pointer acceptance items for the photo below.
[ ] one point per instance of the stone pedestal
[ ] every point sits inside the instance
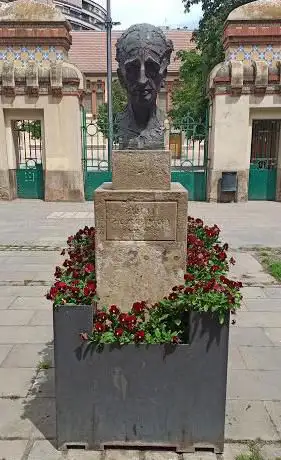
(140, 234)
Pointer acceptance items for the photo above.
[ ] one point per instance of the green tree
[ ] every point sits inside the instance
(188, 97)
(208, 36)
(119, 102)
(191, 94)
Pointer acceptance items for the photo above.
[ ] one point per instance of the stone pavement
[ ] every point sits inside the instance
(27, 408)
(37, 222)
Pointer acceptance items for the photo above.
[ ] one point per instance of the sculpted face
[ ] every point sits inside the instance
(142, 78)
(143, 54)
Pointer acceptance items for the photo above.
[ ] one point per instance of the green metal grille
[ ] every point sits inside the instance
(188, 145)
(264, 156)
(28, 148)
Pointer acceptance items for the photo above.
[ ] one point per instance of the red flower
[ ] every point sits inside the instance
(199, 222)
(222, 255)
(99, 327)
(175, 288)
(188, 277)
(90, 288)
(175, 339)
(61, 285)
(114, 310)
(232, 261)
(58, 272)
(131, 319)
(84, 336)
(215, 268)
(123, 318)
(188, 290)
(138, 307)
(119, 332)
(139, 336)
(102, 316)
(89, 268)
(52, 293)
(173, 296)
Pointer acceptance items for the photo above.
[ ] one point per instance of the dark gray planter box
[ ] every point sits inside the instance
(150, 396)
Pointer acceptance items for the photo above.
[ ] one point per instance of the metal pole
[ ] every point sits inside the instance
(109, 82)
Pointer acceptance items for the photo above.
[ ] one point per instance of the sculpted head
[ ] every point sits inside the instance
(143, 54)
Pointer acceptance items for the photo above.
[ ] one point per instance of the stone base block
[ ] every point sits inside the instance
(141, 170)
(214, 187)
(64, 186)
(140, 243)
(128, 271)
(8, 185)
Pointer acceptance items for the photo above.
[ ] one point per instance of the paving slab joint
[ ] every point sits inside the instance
(28, 449)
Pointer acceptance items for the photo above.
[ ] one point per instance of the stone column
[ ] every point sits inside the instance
(141, 227)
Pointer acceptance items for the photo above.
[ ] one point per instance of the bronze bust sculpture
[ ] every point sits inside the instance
(143, 55)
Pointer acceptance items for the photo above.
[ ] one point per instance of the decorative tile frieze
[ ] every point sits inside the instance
(42, 55)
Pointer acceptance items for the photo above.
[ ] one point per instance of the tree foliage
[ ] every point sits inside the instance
(188, 97)
(191, 95)
(119, 102)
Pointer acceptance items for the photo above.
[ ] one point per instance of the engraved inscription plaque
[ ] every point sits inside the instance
(141, 221)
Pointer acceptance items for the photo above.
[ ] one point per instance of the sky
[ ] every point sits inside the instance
(156, 12)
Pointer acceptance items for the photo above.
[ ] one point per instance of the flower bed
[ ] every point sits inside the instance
(167, 386)
(205, 288)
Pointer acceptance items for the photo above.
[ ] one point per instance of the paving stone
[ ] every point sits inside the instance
(253, 292)
(16, 275)
(15, 317)
(27, 266)
(273, 292)
(28, 418)
(254, 385)
(6, 301)
(75, 454)
(122, 454)
(29, 355)
(263, 304)
(274, 335)
(235, 360)
(248, 269)
(44, 450)
(4, 351)
(199, 456)
(15, 382)
(26, 334)
(23, 291)
(262, 358)
(44, 384)
(271, 452)
(12, 450)
(249, 336)
(42, 318)
(247, 420)
(33, 303)
(43, 275)
(160, 455)
(231, 451)
(258, 319)
(274, 410)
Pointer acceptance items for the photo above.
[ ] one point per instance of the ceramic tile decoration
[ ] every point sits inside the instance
(269, 53)
(43, 55)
